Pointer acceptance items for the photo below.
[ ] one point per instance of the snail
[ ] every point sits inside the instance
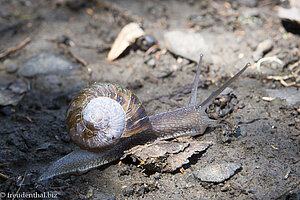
(104, 120)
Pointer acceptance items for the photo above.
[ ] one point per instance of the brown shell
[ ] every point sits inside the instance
(136, 117)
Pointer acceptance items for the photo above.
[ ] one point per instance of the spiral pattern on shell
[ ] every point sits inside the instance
(101, 114)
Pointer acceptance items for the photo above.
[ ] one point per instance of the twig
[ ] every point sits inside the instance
(283, 78)
(286, 176)
(16, 48)
(3, 176)
(102, 48)
(68, 51)
(291, 67)
(20, 185)
(269, 59)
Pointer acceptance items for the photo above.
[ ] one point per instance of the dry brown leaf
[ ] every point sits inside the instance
(166, 156)
(127, 35)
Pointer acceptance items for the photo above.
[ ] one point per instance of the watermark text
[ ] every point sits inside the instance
(28, 195)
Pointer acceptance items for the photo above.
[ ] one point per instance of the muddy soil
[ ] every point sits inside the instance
(33, 132)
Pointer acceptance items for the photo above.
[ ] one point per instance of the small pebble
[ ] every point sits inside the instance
(234, 101)
(127, 191)
(11, 69)
(123, 172)
(217, 173)
(151, 62)
(46, 63)
(189, 48)
(241, 106)
(7, 110)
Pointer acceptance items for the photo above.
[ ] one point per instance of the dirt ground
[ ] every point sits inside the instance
(33, 133)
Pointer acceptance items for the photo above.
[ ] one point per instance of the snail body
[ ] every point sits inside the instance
(104, 120)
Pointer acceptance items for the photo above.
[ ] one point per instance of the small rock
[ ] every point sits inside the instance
(262, 48)
(157, 176)
(11, 69)
(241, 106)
(140, 190)
(151, 62)
(18, 87)
(44, 146)
(187, 44)
(127, 191)
(291, 95)
(11, 93)
(234, 101)
(217, 173)
(7, 110)
(163, 73)
(240, 131)
(7, 97)
(124, 172)
(46, 63)
(226, 91)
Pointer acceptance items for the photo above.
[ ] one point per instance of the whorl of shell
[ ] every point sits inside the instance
(93, 111)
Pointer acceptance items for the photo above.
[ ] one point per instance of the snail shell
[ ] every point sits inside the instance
(101, 114)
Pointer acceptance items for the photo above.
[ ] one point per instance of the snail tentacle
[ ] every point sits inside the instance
(196, 83)
(214, 94)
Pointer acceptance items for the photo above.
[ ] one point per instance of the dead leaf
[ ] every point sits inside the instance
(166, 156)
(126, 37)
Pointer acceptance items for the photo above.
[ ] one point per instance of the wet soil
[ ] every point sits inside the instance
(33, 133)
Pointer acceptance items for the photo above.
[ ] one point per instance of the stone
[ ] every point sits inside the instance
(13, 94)
(46, 63)
(11, 69)
(291, 95)
(7, 97)
(151, 62)
(187, 44)
(217, 173)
